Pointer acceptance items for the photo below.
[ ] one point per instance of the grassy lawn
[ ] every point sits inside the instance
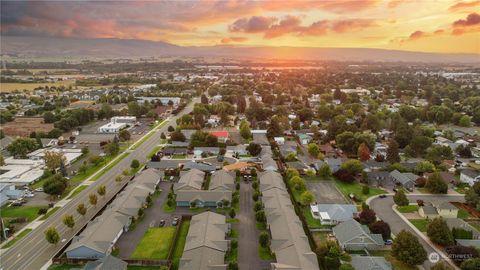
(319, 237)
(265, 253)
(261, 226)
(462, 188)
(63, 267)
(76, 191)
(408, 208)
(182, 237)
(421, 224)
(111, 165)
(169, 209)
(16, 238)
(30, 212)
(154, 151)
(423, 190)
(356, 189)
(155, 244)
(462, 214)
(50, 212)
(179, 156)
(138, 267)
(232, 220)
(397, 265)
(312, 222)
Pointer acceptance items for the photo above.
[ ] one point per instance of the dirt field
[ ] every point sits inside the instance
(23, 126)
(10, 87)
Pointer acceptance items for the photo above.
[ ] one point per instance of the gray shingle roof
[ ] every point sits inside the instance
(190, 180)
(205, 246)
(289, 242)
(338, 212)
(351, 229)
(108, 262)
(222, 180)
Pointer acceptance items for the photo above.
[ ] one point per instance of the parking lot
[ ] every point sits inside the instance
(153, 215)
(325, 192)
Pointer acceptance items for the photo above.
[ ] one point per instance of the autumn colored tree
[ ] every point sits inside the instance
(81, 209)
(92, 198)
(363, 152)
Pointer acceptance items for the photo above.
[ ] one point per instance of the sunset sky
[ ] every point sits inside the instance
(415, 25)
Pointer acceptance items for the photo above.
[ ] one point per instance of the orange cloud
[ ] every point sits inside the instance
(273, 27)
(228, 40)
(462, 6)
(419, 35)
(470, 24)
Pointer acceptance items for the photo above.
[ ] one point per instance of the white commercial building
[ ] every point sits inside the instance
(21, 171)
(163, 100)
(117, 123)
(70, 154)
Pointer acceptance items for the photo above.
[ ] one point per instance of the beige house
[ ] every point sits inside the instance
(444, 209)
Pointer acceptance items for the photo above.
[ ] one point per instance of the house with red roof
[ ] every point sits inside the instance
(221, 135)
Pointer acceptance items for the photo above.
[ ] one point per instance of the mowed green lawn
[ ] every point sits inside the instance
(356, 189)
(421, 224)
(182, 238)
(30, 212)
(155, 244)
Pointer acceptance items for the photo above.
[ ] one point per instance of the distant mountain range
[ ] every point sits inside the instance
(127, 48)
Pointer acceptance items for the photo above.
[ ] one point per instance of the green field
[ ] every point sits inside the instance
(155, 244)
(421, 224)
(30, 212)
(356, 189)
(408, 208)
(16, 238)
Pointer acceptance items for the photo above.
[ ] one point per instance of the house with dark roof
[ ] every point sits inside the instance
(378, 178)
(352, 235)
(334, 164)
(404, 179)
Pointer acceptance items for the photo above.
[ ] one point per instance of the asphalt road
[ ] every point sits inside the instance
(33, 251)
(383, 209)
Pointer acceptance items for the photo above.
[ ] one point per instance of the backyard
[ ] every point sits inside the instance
(29, 212)
(155, 244)
(356, 189)
(182, 237)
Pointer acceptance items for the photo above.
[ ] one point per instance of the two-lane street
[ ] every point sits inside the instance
(384, 211)
(33, 251)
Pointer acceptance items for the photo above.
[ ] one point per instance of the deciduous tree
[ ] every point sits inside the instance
(408, 249)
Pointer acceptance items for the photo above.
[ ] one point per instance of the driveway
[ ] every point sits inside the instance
(129, 240)
(383, 208)
(325, 192)
(248, 258)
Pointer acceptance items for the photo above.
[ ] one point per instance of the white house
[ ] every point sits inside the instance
(469, 176)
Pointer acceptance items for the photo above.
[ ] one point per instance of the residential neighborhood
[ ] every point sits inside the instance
(226, 135)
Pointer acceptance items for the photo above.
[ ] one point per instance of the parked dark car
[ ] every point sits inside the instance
(382, 196)
(161, 223)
